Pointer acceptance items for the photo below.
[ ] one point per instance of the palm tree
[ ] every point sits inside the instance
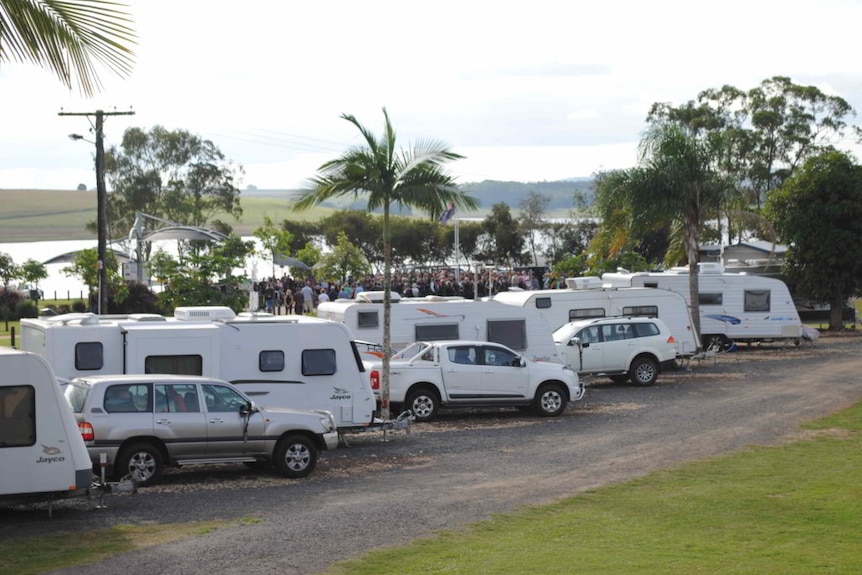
(387, 175)
(68, 38)
(675, 185)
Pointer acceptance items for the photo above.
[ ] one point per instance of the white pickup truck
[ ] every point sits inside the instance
(427, 376)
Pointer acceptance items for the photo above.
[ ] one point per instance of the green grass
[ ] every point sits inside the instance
(46, 215)
(789, 509)
(780, 510)
(32, 555)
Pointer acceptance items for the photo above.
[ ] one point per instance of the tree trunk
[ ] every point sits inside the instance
(692, 236)
(836, 312)
(387, 313)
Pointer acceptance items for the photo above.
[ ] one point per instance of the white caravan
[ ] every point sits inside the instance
(42, 454)
(435, 319)
(733, 307)
(587, 299)
(291, 361)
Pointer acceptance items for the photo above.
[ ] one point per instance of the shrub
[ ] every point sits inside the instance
(26, 308)
(79, 306)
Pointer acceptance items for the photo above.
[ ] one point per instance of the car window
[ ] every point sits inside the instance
(177, 398)
(465, 355)
(500, 357)
(220, 398)
(127, 398)
(646, 329)
(589, 334)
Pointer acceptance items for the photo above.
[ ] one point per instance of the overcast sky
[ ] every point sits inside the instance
(527, 91)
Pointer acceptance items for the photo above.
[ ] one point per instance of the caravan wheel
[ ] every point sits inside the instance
(143, 461)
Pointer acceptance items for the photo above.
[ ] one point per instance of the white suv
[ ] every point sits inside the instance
(620, 347)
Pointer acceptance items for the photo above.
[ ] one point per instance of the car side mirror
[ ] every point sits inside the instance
(575, 341)
(522, 362)
(247, 408)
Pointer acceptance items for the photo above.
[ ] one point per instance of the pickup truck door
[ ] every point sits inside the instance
(503, 377)
(462, 373)
(225, 425)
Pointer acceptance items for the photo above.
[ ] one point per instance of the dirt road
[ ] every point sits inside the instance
(466, 466)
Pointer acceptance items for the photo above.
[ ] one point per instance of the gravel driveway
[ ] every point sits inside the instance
(466, 466)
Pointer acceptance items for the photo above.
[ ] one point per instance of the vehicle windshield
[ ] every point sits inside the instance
(75, 394)
(565, 333)
(411, 350)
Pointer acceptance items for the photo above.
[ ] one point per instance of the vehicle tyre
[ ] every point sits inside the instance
(423, 402)
(295, 456)
(643, 371)
(621, 378)
(550, 400)
(143, 461)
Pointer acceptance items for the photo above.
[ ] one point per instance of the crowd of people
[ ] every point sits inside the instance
(288, 295)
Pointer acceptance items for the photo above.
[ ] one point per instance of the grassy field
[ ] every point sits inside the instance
(789, 509)
(46, 215)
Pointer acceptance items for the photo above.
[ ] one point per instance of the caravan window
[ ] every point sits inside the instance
(709, 298)
(271, 360)
(17, 416)
(175, 364)
(89, 356)
(641, 311)
(367, 319)
(437, 332)
(757, 300)
(318, 362)
(509, 332)
(588, 313)
(543, 302)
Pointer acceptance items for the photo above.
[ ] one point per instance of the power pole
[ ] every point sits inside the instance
(101, 199)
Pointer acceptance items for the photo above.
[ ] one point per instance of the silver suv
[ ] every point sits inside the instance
(144, 423)
(623, 348)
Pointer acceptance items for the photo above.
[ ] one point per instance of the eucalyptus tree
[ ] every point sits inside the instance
(770, 129)
(68, 38)
(675, 184)
(818, 212)
(386, 175)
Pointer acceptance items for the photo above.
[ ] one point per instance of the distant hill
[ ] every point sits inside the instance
(43, 215)
(489, 192)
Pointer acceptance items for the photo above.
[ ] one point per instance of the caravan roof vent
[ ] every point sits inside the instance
(710, 267)
(376, 297)
(86, 318)
(586, 282)
(147, 317)
(204, 313)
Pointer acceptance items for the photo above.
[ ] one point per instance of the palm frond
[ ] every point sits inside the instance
(68, 38)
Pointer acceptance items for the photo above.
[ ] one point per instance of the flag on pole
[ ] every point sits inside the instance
(448, 213)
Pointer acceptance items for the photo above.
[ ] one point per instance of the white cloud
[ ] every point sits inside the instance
(531, 91)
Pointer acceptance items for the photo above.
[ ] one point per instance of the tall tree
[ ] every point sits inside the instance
(173, 175)
(504, 243)
(9, 271)
(675, 185)
(532, 218)
(771, 129)
(68, 38)
(414, 177)
(344, 261)
(818, 212)
(275, 241)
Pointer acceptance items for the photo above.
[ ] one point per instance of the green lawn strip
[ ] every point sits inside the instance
(33, 555)
(794, 508)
